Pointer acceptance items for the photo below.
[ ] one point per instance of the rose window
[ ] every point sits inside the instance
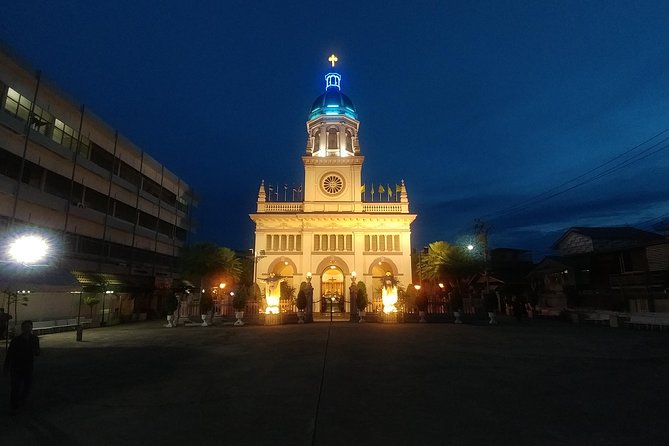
(333, 184)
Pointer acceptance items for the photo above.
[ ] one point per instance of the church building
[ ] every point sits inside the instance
(339, 230)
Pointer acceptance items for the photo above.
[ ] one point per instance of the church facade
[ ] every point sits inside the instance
(335, 234)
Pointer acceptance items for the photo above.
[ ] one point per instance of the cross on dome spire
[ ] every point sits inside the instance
(332, 59)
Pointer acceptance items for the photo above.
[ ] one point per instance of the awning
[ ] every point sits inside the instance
(120, 283)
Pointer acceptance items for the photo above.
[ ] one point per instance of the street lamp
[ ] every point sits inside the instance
(442, 287)
(26, 250)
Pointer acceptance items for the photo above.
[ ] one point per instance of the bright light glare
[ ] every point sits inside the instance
(470, 247)
(389, 299)
(28, 249)
(273, 299)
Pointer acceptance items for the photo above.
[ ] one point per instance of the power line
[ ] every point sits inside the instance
(558, 190)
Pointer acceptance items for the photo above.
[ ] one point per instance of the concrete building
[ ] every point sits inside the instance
(116, 218)
(332, 234)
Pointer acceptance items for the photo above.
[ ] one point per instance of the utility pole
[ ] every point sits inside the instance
(481, 230)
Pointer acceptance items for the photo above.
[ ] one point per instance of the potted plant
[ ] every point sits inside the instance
(301, 304)
(239, 303)
(206, 306)
(361, 300)
(170, 305)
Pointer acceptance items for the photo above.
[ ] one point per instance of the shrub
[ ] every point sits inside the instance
(361, 297)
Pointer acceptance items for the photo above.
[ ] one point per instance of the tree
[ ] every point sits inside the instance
(206, 303)
(287, 291)
(449, 263)
(14, 298)
(210, 265)
(301, 301)
(91, 301)
(240, 298)
(361, 296)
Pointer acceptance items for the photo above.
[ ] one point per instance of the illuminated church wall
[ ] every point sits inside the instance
(337, 228)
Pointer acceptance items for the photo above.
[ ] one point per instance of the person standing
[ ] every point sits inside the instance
(19, 365)
(4, 323)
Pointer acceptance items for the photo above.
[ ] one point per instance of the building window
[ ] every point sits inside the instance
(268, 242)
(130, 174)
(317, 242)
(151, 187)
(125, 212)
(57, 185)
(17, 105)
(332, 139)
(397, 242)
(340, 242)
(283, 243)
(101, 157)
(65, 135)
(275, 243)
(375, 244)
(298, 244)
(349, 242)
(367, 243)
(349, 141)
(324, 242)
(10, 164)
(382, 243)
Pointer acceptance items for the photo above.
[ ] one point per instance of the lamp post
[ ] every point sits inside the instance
(221, 286)
(442, 288)
(79, 328)
(256, 258)
(104, 294)
(26, 250)
(309, 291)
(353, 292)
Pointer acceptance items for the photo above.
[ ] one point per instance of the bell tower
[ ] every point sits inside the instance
(332, 162)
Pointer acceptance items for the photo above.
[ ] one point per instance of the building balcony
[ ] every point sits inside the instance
(334, 206)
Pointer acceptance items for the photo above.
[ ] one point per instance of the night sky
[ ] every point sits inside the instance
(525, 114)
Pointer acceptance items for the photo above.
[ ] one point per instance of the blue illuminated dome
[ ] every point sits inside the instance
(333, 101)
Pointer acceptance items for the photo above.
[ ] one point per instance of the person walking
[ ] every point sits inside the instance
(19, 365)
(4, 323)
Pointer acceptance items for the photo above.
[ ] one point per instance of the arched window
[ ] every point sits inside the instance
(332, 139)
(317, 141)
(349, 141)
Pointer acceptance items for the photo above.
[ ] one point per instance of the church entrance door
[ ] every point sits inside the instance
(332, 290)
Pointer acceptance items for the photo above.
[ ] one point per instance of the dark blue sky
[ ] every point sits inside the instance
(479, 106)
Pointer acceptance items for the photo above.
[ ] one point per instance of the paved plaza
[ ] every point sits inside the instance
(537, 383)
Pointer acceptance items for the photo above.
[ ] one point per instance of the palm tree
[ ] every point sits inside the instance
(449, 263)
(210, 265)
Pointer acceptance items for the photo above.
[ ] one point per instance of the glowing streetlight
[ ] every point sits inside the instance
(28, 249)
(470, 247)
(221, 285)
